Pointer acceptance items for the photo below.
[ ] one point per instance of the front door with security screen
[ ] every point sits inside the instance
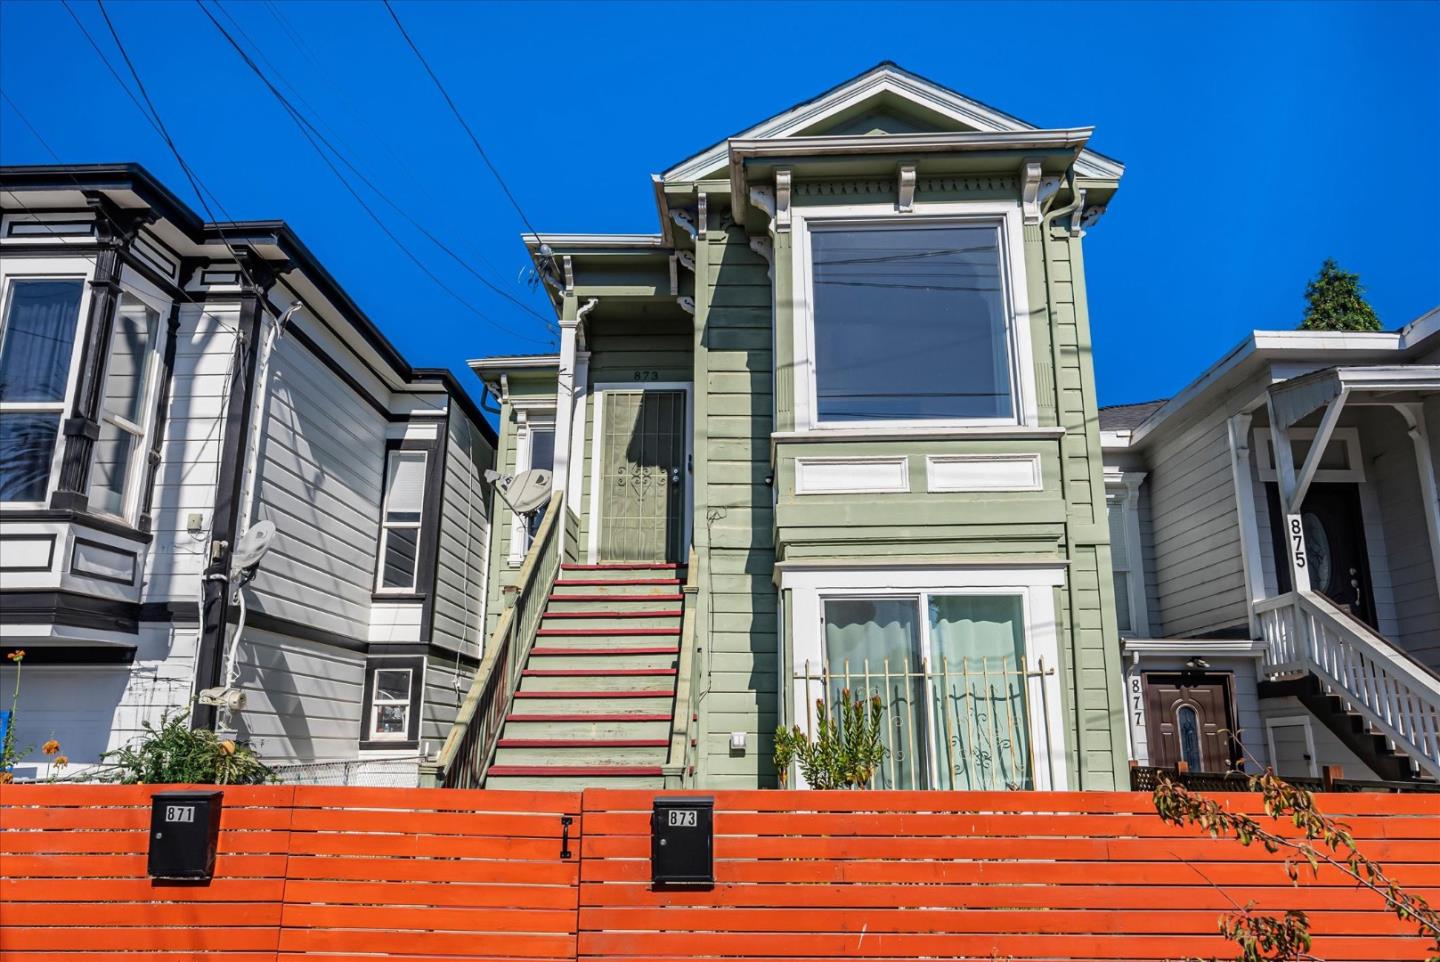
(1335, 549)
(1189, 719)
(642, 476)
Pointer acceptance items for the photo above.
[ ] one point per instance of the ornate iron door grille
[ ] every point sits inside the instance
(642, 476)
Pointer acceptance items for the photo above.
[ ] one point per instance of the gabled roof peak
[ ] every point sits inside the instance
(867, 95)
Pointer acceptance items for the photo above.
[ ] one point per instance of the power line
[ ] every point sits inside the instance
(170, 142)
(456, 111)
(299, 117)
(306, 130)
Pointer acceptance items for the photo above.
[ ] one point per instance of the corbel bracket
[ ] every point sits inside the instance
(782, 199)
(702, 214)
(685, 222)
(687, 304)
(569, 265)
(1035, 190)
(905, 202)
(763, 246)
(1077, 216)
(686, 260)
(586, 308)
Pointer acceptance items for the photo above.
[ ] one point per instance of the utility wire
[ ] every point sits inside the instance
(300, 118)
(456, 111)
(315, 140)
(170, 142)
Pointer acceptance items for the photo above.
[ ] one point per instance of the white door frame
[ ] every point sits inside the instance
(598, 432)
(1281, 721)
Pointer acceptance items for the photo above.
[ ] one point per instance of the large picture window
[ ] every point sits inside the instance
(37, 342)
(117, 456)
(400, 520)
(911, 322)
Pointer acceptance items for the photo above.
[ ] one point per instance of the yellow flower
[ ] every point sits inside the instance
(51, 747)
(16, 655)
(228, 747)
(6, 778)
(60, 761)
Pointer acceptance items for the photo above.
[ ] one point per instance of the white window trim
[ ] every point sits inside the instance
(1349, 437)
(373, 733)
(153, 298)
(31, 268)
(386, 526)
(592, 549)
(526, 424)
(1006, 215)
(1034, 584)
(1280, 721)
(1124, 487)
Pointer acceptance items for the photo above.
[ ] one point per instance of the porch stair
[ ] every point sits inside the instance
(1360, 684)
(596, 696)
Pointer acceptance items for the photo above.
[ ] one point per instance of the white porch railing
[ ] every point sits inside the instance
(1306, 633)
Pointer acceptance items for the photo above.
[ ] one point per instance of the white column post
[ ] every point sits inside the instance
(571, 316)
(577, 430)
(1239, 427)
(1414, 415)
(1294, 530)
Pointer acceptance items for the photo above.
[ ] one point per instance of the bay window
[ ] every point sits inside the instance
(910, 320)
(400, 520)
(964, 666)
(37, 346)
(116, 469)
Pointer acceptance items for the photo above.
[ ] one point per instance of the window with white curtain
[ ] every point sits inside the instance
(390, 705)
(37, 346)
(400, 520)
(116, 469)
(951, 674)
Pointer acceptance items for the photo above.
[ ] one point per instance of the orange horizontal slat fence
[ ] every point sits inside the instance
(419, 874)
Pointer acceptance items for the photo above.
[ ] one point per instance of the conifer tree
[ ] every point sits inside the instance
(1337, 302)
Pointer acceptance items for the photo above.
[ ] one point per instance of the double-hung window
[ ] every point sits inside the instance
(37, 347)
(1120, 562)
(117, 467)
(390, 705)
(909, 321)
(400, 521)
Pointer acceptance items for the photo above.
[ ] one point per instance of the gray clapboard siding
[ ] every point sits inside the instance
(321, 475)
(190, 450)
(304, 698)
(442, 698)
(464, 530)
(1199, 576)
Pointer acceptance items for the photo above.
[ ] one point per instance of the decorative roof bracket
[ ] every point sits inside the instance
(1035, 190)
(906, 199)
(763, 246)
(687, 304)
(683, 219)
(782, 199)
(686, 259)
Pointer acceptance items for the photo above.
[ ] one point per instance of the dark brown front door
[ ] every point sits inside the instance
(1189, 719)
(1334, 547)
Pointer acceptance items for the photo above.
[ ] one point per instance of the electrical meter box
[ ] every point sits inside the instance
(184, 828)
(682, 841)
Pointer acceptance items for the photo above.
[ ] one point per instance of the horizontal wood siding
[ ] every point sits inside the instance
(464, 533)
(734, 518)
(322, 462)
(1199, 575)
(190, 450)
(446, 682)
(304, 697)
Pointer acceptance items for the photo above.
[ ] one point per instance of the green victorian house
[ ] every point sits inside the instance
(832, 427)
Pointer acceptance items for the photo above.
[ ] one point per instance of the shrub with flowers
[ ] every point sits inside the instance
(175, 753)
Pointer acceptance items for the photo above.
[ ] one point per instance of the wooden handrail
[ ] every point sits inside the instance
(677, 764)
(460, 742)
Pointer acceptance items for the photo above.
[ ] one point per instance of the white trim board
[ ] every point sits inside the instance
(598, 391)
(852, 475)
(809, 589)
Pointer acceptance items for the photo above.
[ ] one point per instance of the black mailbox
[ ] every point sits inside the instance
(184, 827)
(682, 841)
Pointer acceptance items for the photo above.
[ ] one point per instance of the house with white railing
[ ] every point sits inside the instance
(1276, 544)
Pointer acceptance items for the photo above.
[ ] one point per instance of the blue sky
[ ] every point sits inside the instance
(1259, 139)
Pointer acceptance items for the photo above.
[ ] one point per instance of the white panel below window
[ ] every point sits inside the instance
(92, 560)
(26, 554)
(852, 475)
(983, 472)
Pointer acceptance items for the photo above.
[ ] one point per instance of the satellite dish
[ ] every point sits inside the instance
(529, 490)
(253, 544)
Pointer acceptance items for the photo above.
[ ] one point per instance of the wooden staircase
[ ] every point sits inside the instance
(596, 696)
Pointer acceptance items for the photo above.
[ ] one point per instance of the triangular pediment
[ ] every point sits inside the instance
(886, 99)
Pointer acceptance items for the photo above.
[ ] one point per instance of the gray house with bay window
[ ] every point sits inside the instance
(167, 384)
